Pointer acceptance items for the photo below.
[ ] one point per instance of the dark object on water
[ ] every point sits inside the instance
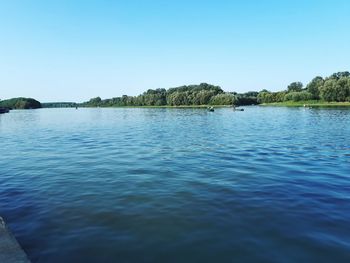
(10, 250)
(4, 110)
(235, 108)
(210, 108)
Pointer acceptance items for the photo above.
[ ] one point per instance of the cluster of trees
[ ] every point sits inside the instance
(59, 104)
(202, 94)
(333, 88)
(20, 103)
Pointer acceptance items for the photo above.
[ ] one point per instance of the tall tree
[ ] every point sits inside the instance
(314, 87)
(295, 87)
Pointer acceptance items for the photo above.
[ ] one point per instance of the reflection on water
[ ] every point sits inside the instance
(177, 185)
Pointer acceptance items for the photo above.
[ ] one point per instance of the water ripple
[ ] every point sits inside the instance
(177, 185)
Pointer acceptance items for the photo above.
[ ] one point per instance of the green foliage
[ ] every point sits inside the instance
(314, 87)
(202, 94)
(298, 96)
(153, 98)
(265, 97)
(248, 98)
(334, 88)
(59, 105)
(338, 75)
(20, 103)
(223, 99)
(178, 98)
(95, 101)
(295, 87)
(270, 97)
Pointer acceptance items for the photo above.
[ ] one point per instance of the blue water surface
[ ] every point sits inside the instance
(177, 185)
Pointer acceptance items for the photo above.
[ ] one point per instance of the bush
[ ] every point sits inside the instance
(21, 103)
(298, 96)
(223, 99)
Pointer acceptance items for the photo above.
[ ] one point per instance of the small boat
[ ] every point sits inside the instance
(4, 110)
(210, 108)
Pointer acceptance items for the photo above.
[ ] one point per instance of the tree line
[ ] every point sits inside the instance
(335, 88)
(202, 94)
(20, 103)
(59, 104)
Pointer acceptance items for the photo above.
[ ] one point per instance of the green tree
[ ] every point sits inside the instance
(327, 91)
(298, 96)
(223, 99)
(265, 97)
(295, 87)
(314, 87)
(95, 102)
(339, 75)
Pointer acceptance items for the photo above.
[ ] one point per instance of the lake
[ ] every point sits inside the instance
(268, 184)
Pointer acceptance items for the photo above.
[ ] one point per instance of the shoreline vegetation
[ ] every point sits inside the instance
(171, 107)
(332, 91)
(20, 103)
(201, 95)
(308, 103)
(129, 106)
(274, 104)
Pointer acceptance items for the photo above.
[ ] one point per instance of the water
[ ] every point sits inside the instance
(177, 185)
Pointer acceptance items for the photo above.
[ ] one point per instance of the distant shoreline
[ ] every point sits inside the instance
(312, 103)
(163, 106)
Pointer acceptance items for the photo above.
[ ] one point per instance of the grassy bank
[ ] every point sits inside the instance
(310, 103)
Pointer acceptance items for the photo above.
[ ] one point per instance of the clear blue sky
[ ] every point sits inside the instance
(66, 50)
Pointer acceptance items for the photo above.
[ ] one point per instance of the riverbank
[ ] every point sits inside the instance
(164, 106)
(310, 103)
